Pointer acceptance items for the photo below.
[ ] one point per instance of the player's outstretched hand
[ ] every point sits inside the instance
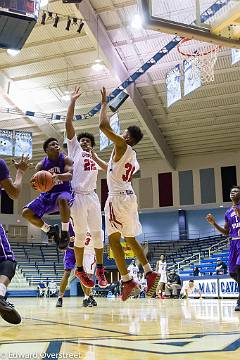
(104, 95)
(23, 164)
(75, 95)
(211, 219)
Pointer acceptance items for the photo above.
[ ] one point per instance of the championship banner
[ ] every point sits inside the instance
(235, 56)
(23, 143)
(173, 83)
(6, 142)
(192, 76)
(127, 251)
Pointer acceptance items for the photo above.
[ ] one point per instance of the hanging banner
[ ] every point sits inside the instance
(115, 125)
(192, 76)
(173, 83)
(235, 56)
(23, 143)
(6, 142)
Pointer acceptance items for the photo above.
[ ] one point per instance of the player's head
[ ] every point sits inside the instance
(191, 283)
(162, 257)
(86, 140)
(133, 261)
(51, 146)
(132, 135)
(235, 193)
(219, 260)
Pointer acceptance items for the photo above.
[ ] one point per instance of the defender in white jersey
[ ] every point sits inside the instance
(121, 209)
(86, 210)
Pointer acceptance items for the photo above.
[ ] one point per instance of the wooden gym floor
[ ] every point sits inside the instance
(137, 329)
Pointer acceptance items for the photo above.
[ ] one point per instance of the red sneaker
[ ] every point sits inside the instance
(152, 283)
(102, 281)
(129, 288)
(88, 283)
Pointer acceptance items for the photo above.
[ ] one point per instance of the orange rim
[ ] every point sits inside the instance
(187, 54)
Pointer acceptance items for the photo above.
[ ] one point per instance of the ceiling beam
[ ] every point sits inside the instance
(97, 32)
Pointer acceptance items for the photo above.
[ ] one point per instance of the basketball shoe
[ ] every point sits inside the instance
(64, 240)
(102, 281)
(237, 308)
(129, 288)
(83, 277)
(87, 302)
(59, 302)
(152, 282)
(93, 301)
(8, 313)
(53, 233)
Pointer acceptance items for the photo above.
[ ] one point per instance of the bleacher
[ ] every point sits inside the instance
(39, 262)
(206, 266)
(179, 250)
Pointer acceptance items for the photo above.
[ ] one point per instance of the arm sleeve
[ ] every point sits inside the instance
(73, 147)
(4, 172)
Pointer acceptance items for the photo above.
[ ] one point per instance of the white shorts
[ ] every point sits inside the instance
(163, 278)
(121, 215)
(89, 263)
(86, 213)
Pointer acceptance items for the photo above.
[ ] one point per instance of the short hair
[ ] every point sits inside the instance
(87, 135)
(191, 281)
(135, 133)
(235, 187)
(45, 144)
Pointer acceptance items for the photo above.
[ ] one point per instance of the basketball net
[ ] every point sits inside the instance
(203, 58)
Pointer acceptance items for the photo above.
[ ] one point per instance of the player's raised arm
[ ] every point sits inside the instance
(70, 113)
(105, 126)
(223, 230)
(101, 163)
(13, 188)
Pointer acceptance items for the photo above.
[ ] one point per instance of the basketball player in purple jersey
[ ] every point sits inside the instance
(59, 198)
(232, 229)
(7, 259)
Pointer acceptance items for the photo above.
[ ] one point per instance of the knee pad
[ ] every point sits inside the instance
(97, 238)
(79, 240)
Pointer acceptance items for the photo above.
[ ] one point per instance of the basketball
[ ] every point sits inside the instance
(42, 181)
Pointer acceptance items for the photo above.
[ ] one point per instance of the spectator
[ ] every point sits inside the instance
(196, 271)
(173, 285)
(133, 270)
(52, 288)
(189, 289)
(42, 288)
(221, 267)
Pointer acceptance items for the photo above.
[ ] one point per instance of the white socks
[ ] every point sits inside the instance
(147, 268)
(65, 226)
(45, 227)
(126, 277)
(3, 289)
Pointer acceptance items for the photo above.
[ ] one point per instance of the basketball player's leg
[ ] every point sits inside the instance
(94, 220)
(64, 200)
(234, 265)
(34, 211)
(89, 263)
(237, 308)
(7, 311)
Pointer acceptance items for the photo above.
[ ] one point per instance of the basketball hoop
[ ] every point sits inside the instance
(202, 59)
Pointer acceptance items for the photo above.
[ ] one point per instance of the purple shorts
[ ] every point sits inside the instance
(5, 248)
(234, 255)
(69, 259)
(46, 203)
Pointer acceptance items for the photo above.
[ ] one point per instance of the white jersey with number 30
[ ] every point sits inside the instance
(119, 174)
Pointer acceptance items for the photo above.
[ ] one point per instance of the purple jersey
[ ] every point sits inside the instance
(5, 248)
(233, 222)
(57, 166)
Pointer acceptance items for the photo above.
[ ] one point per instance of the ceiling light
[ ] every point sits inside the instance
(220, 205)
(80, 27)
(43, 3)
(137, 22)
(13, 52)
(56, 20)
(97, 66)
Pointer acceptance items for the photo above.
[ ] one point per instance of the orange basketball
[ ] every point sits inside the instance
(42, 181)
